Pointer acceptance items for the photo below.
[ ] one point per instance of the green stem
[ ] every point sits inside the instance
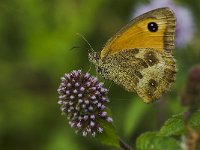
(123, 145)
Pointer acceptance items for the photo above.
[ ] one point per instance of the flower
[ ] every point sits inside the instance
(185, 28)
(191, 95)
(83, 99)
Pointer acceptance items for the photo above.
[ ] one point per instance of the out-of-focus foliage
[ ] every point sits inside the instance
(36, 37)
(152, 141)
(175, 125)
(164, 138)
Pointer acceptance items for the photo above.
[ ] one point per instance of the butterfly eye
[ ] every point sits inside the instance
(152, 26)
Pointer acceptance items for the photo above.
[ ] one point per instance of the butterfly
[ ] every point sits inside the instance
(139, 57)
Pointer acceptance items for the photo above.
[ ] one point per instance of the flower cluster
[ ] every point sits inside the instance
(185, 28)
(82, 99)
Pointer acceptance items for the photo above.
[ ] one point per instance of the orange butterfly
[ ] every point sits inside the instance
(139, 57)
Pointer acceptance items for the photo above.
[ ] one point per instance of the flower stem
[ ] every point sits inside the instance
(123, 145)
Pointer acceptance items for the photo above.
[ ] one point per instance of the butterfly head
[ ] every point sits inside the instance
(94, 57)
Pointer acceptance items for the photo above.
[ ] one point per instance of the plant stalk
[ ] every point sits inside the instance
(123, 145)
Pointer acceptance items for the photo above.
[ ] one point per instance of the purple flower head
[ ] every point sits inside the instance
(83, 99)
(185, 27)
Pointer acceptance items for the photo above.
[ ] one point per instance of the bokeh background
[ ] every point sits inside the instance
(36, 41)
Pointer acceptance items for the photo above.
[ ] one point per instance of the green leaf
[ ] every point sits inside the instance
(108, 136)
(194, 120)
(152, 141)
(173, 126)
(134, 113)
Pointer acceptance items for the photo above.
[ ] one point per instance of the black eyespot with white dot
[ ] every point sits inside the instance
(152, 27)
(153, 83)
(151, 58)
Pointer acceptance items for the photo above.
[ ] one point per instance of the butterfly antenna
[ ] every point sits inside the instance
(91, 49)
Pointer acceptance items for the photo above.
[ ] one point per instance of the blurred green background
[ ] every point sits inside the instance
(36, 37)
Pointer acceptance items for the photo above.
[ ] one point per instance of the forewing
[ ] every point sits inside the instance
(137, 35)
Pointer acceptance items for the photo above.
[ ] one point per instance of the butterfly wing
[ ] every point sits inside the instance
(144, 71)
(138, 58)
(137, 34)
